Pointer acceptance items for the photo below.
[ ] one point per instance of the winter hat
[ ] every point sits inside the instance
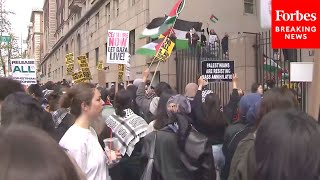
(182, 104)
(191, 90)
(136, 82)
(246, 102)
(154, 105)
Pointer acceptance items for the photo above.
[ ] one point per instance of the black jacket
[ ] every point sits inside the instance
(168, 163)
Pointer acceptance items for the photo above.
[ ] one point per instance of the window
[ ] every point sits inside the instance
(97, 56)
(249, 6)
(97, 21)
(116, 7)
(133, 2)
(62, 71)
(79, 44)
(87, 55)
(67, 49)
(132, 46)
(108, 14)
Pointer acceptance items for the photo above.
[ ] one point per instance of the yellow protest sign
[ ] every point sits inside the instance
(83, 64)
(165, 50)
(291, 85)
(70, 63)
(69, 58)
(100, 66)
(70, 69)
(120, 77)
(78, 77)
(121, 67)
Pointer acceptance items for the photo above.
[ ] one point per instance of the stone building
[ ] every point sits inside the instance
(81, 27)
(35, 36)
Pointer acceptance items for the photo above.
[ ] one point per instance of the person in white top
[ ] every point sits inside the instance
(81, 141)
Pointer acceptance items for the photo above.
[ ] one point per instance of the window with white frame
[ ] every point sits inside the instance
(249, 6)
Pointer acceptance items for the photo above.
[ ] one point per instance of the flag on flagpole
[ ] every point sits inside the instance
(179, 31)
(213, 18)
(160, 25)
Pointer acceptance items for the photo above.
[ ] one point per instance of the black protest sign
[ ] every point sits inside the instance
(215, 70)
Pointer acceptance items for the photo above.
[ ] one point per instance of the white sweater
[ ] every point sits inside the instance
(83, 145)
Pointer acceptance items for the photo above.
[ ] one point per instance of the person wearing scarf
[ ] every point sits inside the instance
(129, 129)
(170, 144)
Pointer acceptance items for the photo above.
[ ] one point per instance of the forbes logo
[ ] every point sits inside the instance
(281, 15)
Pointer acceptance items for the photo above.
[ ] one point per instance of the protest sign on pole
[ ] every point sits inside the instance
(70, 63)
(118, 46)
(84, 67)
(120, 73)
(165, 50)
(216, 70)
(100, 66)
(24, 70)
(78, 77)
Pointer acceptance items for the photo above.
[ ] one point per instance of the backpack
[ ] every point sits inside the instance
(196, 151)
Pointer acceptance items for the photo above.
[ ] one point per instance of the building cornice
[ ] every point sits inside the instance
(83, 19)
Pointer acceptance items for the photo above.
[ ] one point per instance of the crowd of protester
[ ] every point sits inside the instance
(57, 131)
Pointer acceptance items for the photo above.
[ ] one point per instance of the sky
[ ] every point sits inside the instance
(21, 19)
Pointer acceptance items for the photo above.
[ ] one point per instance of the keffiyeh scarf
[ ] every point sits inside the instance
(128, 129)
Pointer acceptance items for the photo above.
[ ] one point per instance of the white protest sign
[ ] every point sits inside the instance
(265, 14)
(301, 71)
(24, 70)
(118, 46)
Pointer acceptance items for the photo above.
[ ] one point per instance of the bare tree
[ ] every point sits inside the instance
(6, 48)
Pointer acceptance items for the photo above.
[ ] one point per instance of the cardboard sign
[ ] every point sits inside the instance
(165, 50)
(217, 70)
(83, 63)
(118, 46)
(24, 70)
(78, 77)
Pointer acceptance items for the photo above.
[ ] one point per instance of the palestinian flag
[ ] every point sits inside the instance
(179, 31)
(213, 18)
(150, 49)
(160, 25)
(271, 67)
